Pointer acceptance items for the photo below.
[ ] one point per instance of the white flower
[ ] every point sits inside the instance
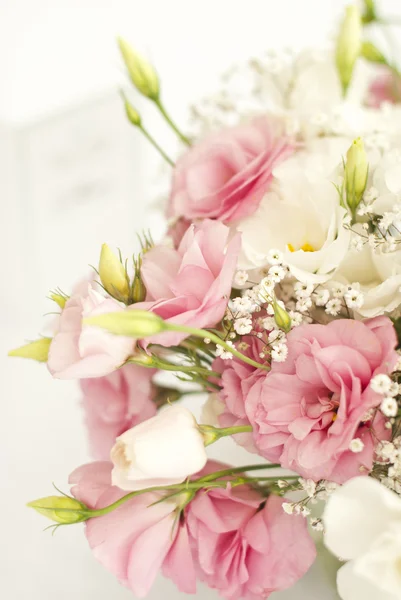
(241, 305)
(303, 290)
(301, 216)
(275, 257)
(276, 336)
(303, 305)
(362, 523)
(160, 451)
(316, 524)
(333, 307)
(389, 407)
(211, 410)
(357, 243)
(296, 318)
(309, 486)
(321, 297)
(243, 325)
(338, 290)
(276, 273)
(356, 445)
(354, 298)
(223, 353)
(288, 508)
(387, 451)
(279, 352)
(240, 278)
(269, 323)
(381, 384)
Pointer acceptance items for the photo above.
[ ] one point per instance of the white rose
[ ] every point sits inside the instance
(301, 216)
(362, 522)
(211, 410)
(160, 451)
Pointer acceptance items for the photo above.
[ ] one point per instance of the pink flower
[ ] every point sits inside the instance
(138, 538)
(246, 549)
(225, 176)
(78, 351)
(308, 409)
(385, 88)
(177, 230)
(229, 538)
(237, 378)
(191, 286)
(115, 403)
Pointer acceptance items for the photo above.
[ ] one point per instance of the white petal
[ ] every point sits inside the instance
(356, 514)
(353, 586)
(393, 178)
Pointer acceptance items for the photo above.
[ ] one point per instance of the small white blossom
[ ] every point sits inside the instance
(288, 507)
(270, 309)
(354, 298)
(305, 512)
(276, 336)
(308, 485)
(372, 240)
(356, 445)
(368, 415)
(266, 288)
(303, 290)
(276, 273)
(243, 325)
(394, 389)
(321, 297)
(275, 257)
(241, 305)
(269, 323)
(240, 278)
(223, 353)
(387, 219)
(281, 483)
(370, 194)
(389, 407)
(381, 384)
(296, 318)
(357, 243)
(316, 524)
(387, 451)
(279, 352)
(363, 210)
(338, 290)
(333, 307)
(207, 340)
(303, 305)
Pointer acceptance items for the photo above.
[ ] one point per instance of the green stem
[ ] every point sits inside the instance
(202, 333)
(169, 120)
(152, 140)
(213, 434)
(244, 469)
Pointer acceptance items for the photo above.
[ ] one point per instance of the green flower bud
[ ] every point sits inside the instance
(113, 275)
(138, 289)
(369, 14)
(37, 350)
(348, 45)
(372, 54)
(61, 509)
(132, 323)
(141, 72)
(58, 299)
(133, 115)
(281, 316)
(356, 173)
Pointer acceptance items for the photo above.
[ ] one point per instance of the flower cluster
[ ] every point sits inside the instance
(277, 292)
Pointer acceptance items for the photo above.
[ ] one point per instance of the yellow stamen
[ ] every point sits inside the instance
(305, 247)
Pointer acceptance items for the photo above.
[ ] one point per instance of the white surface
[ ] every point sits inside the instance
(71, 179)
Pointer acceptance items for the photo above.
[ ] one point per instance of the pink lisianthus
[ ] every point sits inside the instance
(308, 409)
(385, 88)
(115, 403)
(134, 541)
(244, 548)
(225, 176)
(230, 538)
(190, 286)
(78, 351)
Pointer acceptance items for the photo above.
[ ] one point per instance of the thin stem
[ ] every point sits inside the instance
(202, 333)
(169, 120)
(244, 469)
(152, 140)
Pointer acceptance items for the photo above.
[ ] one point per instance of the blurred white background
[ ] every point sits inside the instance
(73, 175)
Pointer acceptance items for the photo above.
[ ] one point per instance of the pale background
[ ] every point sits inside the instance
(72, 175)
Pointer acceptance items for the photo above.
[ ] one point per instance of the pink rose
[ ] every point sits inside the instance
(245, 548)
(230, 538)
(225, 176)
(115, 403)
(385, 88)
(138, 538)
(78, 351)
(308, 409)
(191, 286)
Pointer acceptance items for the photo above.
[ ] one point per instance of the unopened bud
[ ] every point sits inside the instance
(348, 45)
(131, 323)
(141, 72)
(61, 509)
(133, 115)
(281, 316)
(58, 299)
(369, 14)
(37, 350)
(113, 275)
(138, 289)
(356, 173)
(372, 54)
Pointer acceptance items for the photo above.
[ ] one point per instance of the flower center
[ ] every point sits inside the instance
(307, 247)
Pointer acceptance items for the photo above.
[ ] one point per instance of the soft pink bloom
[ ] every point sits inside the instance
(78, 351)
(308, 409)
(385, 88)
(245, 549)
(137, 539)
(177, 230)
(225, 176)
(222, 537)
(115, 403)
(191, 286)
(237, 378)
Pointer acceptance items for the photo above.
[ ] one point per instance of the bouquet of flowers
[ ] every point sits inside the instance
(277, 292)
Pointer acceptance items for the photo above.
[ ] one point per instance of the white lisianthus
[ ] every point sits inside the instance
(160, 451)
(301, 216)
(362, 522)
